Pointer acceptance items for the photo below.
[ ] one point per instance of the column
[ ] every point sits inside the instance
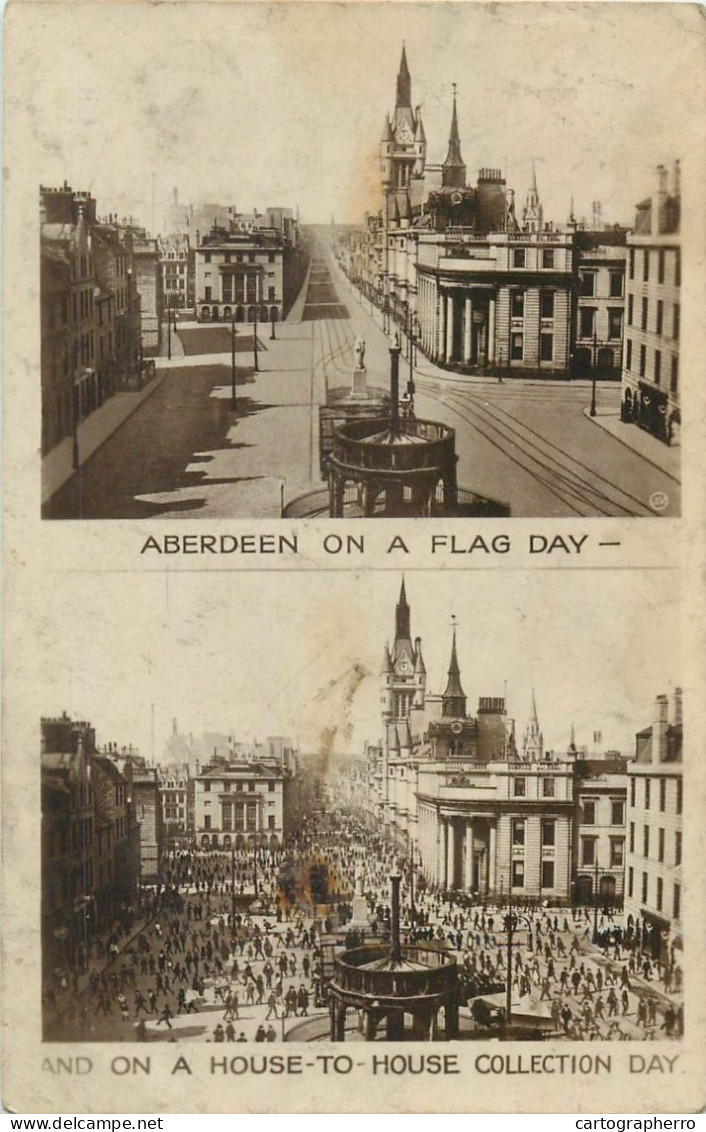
(469, 857)
(451, 855)
(491, 331)
(492, 864)
(468, 331)
(441, 328)
(449, 327)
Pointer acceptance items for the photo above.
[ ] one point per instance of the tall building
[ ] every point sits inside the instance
(481, 816)
(651, 397)
(653, 900)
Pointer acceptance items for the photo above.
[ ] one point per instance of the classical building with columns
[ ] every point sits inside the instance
(475, 286)
(479, 812)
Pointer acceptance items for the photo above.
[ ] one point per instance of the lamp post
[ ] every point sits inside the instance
(273, 336)
(169, 325)
(232, 883)
(256, 367)
(233, 393)
(595, 899)
(593, 376)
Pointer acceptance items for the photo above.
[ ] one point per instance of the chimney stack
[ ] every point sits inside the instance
(659, 729)
(676, 183)
(659, 202)
(678, 717)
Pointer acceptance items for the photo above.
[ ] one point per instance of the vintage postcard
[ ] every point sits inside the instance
(354, 537)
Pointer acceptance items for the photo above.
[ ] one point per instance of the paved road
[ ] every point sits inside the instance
(185, 451)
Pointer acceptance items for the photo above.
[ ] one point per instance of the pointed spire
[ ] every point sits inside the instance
(419, 135)
(533, 183)
(454, 698)
(386, 661)
(572, 743)
(404, 83)
(419, 666)
(454, 169)
(387, 130)
(402, 618)
(534, 708)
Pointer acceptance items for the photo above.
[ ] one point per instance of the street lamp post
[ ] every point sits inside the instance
(233, 393)
(232, 883)
(593, 376)
(256, 367)
(169, 325)
(595, 899)
(273, 336)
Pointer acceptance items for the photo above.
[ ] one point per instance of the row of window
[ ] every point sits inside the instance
(548, 831)
(659, 316)
(519, 258)
(238, 784)
(517, 347)
(249, 827)
(646, 793)
(661, 840)
(237, 257)
(519, 788)
(588, 281)
(546, 875)
(647, 256)
(657, 368)
(588, 811)
(587, 322)
(659, 892)
(589, 852)
(517, 304)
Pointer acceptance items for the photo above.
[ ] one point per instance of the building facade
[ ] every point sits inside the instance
(90, 842)
(654, 886)
(477, 812)
(238, 272)
(237, 804)
(651, 398)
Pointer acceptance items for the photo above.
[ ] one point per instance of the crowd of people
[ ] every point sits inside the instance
(230, 947)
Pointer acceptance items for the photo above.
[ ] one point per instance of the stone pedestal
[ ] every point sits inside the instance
(360, 382)
(360, 916)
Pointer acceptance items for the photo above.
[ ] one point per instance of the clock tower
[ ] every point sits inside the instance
(402, 150)
(403, 676)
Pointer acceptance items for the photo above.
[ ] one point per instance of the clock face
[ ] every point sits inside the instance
(457, 727)
(404, 667)
(404, 135)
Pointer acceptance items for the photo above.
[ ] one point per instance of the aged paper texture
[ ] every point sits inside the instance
(353, 557)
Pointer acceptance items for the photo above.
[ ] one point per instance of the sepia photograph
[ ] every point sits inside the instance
(357, 260)
(397, 835)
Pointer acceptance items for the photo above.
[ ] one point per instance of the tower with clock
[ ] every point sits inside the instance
(403, 150)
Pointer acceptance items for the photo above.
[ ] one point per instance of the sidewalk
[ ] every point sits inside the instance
(660, 455)
(428, 369)
(57, 465)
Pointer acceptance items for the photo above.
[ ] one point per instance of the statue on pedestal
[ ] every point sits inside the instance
(359, 351)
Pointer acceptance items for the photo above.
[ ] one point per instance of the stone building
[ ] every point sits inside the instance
(176, 263)
(451, 787)
(651, 397)
(240, 803)
(654, 886)
(237, 270)
(90, 841)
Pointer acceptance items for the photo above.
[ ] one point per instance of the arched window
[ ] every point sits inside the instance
(205, 314)
(214, 314)
(227, 313)
(239, 314)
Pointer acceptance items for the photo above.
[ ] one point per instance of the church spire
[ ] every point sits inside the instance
(402, 619)
(533, 742)
(454, 169)
(453, 701)
(404, 83)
